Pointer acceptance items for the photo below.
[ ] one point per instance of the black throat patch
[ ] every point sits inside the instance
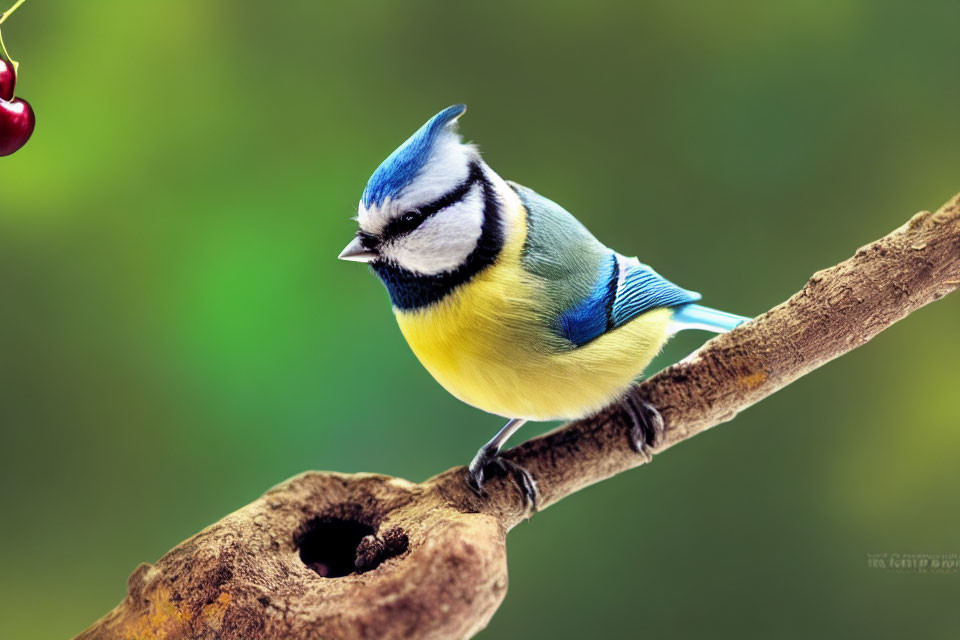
(409, 290)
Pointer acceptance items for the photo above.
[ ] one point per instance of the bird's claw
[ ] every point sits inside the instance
(489, 459)
(646, 425)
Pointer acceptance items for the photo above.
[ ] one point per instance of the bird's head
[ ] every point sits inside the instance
(424, 209)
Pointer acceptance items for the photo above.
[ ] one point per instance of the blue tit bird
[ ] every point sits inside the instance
(507, 299)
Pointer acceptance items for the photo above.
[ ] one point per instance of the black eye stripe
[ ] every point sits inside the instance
(399, 226)
(455, 196)
(368, 240)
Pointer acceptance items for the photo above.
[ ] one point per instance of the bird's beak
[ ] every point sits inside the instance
(356, 252)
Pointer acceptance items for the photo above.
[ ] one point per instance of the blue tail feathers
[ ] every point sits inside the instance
(695, 316)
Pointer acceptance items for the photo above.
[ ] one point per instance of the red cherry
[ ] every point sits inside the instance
(7, 79)
(16, 125)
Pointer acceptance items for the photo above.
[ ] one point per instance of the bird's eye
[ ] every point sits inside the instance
(409, 220)
(404, 223)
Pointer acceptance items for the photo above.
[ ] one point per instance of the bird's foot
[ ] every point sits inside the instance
(646, 425)
(489, 463)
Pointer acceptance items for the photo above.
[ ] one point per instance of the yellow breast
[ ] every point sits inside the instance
(489, 346)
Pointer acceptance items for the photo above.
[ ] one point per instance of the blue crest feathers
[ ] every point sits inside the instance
(403, 165)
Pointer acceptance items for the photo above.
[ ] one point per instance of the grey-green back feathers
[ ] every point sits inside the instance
(559, 249)
(591, 289)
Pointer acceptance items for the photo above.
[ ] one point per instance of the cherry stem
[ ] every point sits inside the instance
(6, 14)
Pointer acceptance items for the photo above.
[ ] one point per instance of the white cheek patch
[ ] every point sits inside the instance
(443, 242)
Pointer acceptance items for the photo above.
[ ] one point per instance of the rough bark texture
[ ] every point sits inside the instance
(432, 556)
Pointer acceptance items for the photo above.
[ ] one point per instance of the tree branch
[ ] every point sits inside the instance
(366, 556)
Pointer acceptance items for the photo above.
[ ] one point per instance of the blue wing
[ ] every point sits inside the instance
(591, 289)
(624, 290)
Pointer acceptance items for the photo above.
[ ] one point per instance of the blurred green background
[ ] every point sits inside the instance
(177, 336)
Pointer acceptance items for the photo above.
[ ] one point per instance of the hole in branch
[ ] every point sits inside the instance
(329, 545)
